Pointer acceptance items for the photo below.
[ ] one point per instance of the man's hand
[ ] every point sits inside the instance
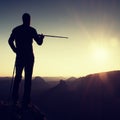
(41, 36)
(14, 50)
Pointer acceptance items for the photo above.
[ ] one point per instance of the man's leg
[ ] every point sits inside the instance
(18, 76)
(27, 84)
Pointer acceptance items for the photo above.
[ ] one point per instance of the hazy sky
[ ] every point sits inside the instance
(92, 26)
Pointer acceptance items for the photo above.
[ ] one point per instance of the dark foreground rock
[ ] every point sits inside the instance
(10, 112)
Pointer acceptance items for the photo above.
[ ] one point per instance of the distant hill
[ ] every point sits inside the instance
(54, 78)
(95, 97)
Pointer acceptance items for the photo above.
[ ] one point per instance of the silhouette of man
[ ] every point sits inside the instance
(20, 41)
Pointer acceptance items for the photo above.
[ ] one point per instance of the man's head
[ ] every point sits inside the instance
(26, 19)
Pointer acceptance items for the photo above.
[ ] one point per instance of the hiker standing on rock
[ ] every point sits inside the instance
(20, 41)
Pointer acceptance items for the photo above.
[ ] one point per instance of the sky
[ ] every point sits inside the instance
(92, 26)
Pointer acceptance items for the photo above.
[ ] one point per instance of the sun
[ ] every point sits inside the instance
(100, 55)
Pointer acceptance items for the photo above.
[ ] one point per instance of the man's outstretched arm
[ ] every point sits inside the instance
(38, 38)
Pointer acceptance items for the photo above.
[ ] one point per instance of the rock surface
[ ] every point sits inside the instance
(10, 112)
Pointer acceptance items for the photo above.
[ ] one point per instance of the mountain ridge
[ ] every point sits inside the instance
(94, 96)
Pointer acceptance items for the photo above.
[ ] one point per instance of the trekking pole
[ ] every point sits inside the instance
(54, 36)
(12, 81)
